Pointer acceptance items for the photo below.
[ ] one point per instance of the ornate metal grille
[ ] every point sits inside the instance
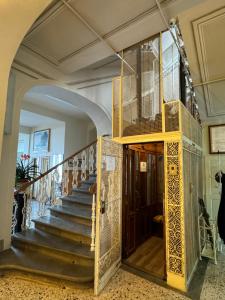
(174, 205)
(108, 212)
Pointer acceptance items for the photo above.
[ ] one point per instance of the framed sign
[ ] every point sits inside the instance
(143, 166)
(217, 139)
(41, 140)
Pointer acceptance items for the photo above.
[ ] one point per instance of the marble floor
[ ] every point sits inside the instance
(14, 286)
(214, 283)
(124, 285)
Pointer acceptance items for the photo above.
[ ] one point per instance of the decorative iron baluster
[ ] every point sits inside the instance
(24, 212)
(76, 171)
(92, 159)
(65, 179)
(28, 207)
(14, 219)
(43, 196)
(84, 167)
(93, 218)
(54, 190)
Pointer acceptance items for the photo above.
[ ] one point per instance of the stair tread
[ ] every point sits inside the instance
(45, 239)
(64, 225)
(76, 212)
(77, 199)
(45, 265)
(83, 190)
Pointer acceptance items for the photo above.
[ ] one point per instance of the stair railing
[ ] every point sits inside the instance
(34, 198)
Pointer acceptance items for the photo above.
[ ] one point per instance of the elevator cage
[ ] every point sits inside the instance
(146, 108)
(152, 76)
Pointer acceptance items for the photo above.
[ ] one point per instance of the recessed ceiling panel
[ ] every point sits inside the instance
(213, 46)
(59, 36)
(105, 16)
(209, 35)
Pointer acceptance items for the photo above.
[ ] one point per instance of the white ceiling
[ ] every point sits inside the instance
(30, 119)
(59, 43)
(59, 46)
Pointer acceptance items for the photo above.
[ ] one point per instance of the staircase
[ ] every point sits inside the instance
(59, 244)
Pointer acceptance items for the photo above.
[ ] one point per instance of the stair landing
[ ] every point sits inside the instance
(34, 262)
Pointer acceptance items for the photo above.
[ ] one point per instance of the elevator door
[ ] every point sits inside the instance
(139, 191)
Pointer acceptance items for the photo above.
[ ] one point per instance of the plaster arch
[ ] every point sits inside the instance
(15, 20)
(58, 91)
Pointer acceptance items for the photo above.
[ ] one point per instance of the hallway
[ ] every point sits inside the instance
(124, 285)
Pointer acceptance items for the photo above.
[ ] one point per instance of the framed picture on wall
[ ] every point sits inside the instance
(41, 140)
(217, 139)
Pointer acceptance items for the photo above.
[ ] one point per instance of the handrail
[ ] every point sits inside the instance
(27, 184)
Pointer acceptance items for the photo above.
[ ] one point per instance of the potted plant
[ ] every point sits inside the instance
(26, 171)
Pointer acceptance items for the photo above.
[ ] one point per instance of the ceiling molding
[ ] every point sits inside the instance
(198, 28)
(93, 85)
(28, 68)
(105, 64)
(92, 79)
(23, 72)
(89, 45)
(39, 54)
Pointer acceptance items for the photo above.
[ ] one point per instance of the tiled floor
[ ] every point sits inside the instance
(124, 285)
(214, 283)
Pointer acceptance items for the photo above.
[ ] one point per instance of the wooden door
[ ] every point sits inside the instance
(139, 197)
(130, 196)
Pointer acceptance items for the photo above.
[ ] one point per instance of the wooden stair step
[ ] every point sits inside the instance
(35, 262)
(46, 240)
(66, 229)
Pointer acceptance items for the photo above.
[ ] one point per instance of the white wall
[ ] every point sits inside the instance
(57, 140)
(212, 164)
(100, 94)
(78, 132)
(23, 143)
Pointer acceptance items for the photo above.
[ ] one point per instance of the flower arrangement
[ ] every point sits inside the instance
(25, 170)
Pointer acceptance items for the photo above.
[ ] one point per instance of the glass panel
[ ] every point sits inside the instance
(141, 109)
(186, 122)
(171, 68)
(116, 101)
(172, 116)
(190, 127)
